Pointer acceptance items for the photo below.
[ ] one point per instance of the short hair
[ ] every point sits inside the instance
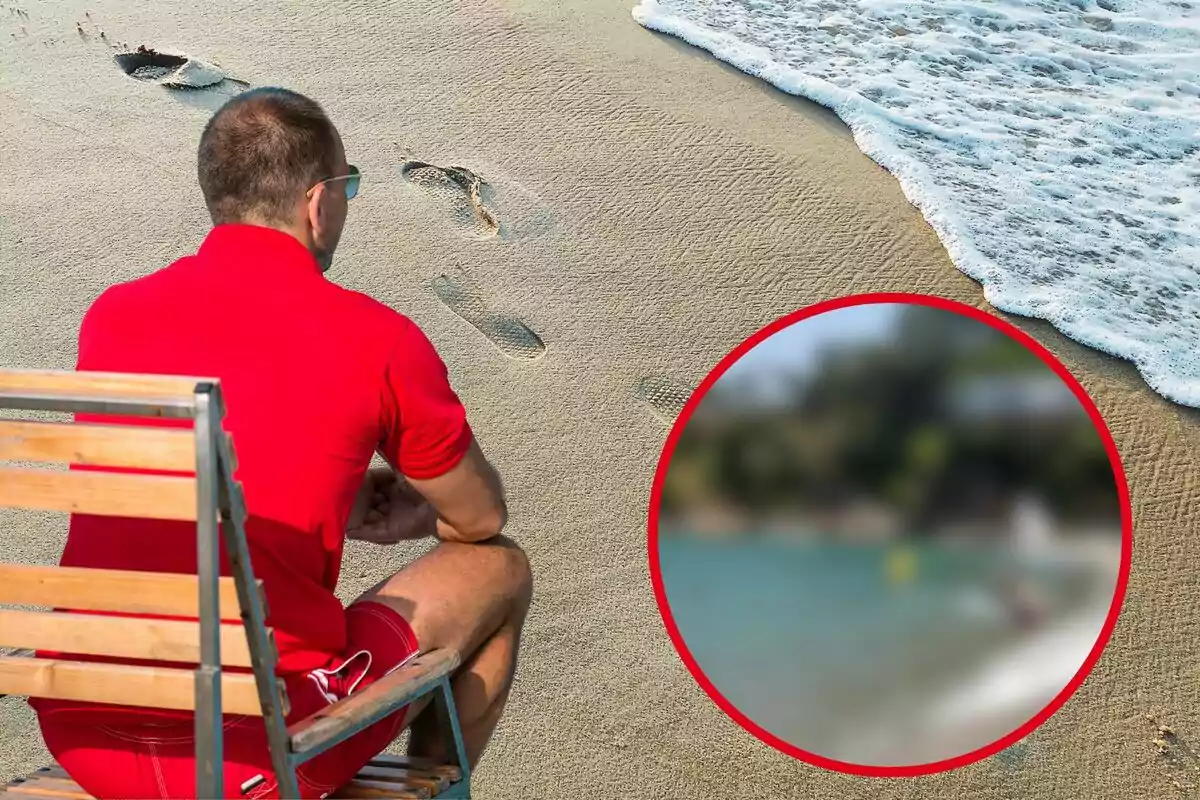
(261, 152)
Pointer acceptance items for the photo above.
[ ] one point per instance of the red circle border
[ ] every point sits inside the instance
(1122, 495)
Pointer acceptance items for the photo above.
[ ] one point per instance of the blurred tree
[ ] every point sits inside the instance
(879, 419)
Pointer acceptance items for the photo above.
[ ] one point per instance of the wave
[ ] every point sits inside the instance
(1053, 145)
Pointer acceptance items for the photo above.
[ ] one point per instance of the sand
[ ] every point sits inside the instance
(659, 208)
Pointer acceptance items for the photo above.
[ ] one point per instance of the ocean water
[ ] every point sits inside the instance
(1054, 145)
(814, 642)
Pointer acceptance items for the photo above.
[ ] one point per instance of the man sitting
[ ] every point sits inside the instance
(316, 379)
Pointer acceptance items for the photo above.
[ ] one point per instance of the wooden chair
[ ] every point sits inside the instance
(213, 499)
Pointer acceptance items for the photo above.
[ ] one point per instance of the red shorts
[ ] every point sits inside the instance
(110, 755)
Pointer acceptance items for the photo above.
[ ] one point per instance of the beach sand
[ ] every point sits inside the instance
(656, 207)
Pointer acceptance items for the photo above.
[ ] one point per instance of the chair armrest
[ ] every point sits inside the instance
(346, 717)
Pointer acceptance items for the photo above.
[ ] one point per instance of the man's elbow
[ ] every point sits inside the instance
(492, 524)
(485, 526)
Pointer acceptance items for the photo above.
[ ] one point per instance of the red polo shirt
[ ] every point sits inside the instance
(316, 379)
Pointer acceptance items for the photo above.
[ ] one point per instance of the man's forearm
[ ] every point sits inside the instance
(469, 499)
(486, 528)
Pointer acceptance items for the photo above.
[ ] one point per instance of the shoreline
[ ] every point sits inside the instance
(868, 122)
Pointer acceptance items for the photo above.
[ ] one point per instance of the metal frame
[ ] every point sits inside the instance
(262, 649)
(209, 727)
(448, 722)
(169, 407)
(220, 506)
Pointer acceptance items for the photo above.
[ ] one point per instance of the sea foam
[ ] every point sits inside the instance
(1053, 145)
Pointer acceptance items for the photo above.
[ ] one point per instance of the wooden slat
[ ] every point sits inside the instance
(45, 786)
(145, 687)
(104, 493)
(98, 384)
(372, 789)
(355, 712)
(138, 446)
(53, 771)
(112, 590)
(121, 637)
(405, 777)
(22, 792)
(388, 761)
(59, 781)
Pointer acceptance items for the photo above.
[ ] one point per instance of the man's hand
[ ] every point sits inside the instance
(387, 510)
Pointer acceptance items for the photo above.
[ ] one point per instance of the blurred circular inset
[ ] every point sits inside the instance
(890, 534)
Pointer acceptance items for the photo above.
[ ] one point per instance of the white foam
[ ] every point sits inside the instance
(1054, 145)
(1026, 677)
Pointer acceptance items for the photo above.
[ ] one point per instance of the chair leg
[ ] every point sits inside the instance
(448, 721)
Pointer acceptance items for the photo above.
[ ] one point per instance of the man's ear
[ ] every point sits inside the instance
(315, 207)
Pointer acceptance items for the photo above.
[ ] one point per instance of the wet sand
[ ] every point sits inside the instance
(655, 207)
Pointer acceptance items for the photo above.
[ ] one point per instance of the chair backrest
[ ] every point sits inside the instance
(70, 591)
(123, 637)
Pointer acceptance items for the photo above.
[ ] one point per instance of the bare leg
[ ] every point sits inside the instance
(471, 598)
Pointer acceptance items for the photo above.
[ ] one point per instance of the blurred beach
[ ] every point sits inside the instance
(656, 207)
(889, 535)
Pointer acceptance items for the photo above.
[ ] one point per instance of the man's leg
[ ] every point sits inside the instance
(471, 598)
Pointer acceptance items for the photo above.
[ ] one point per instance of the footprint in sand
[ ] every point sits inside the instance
(200, 84)
(173, 70)
(482, 209)
(509, 334)
(459, 191)
(666, 397)
(1014, 757)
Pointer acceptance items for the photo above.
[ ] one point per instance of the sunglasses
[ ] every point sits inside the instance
(352, 179)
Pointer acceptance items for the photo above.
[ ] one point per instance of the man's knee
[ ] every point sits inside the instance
(516, 571)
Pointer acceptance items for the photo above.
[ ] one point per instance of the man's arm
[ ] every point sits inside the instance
(469, 499)
(427, 439)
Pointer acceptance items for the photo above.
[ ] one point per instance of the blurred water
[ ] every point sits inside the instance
(845, 649)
